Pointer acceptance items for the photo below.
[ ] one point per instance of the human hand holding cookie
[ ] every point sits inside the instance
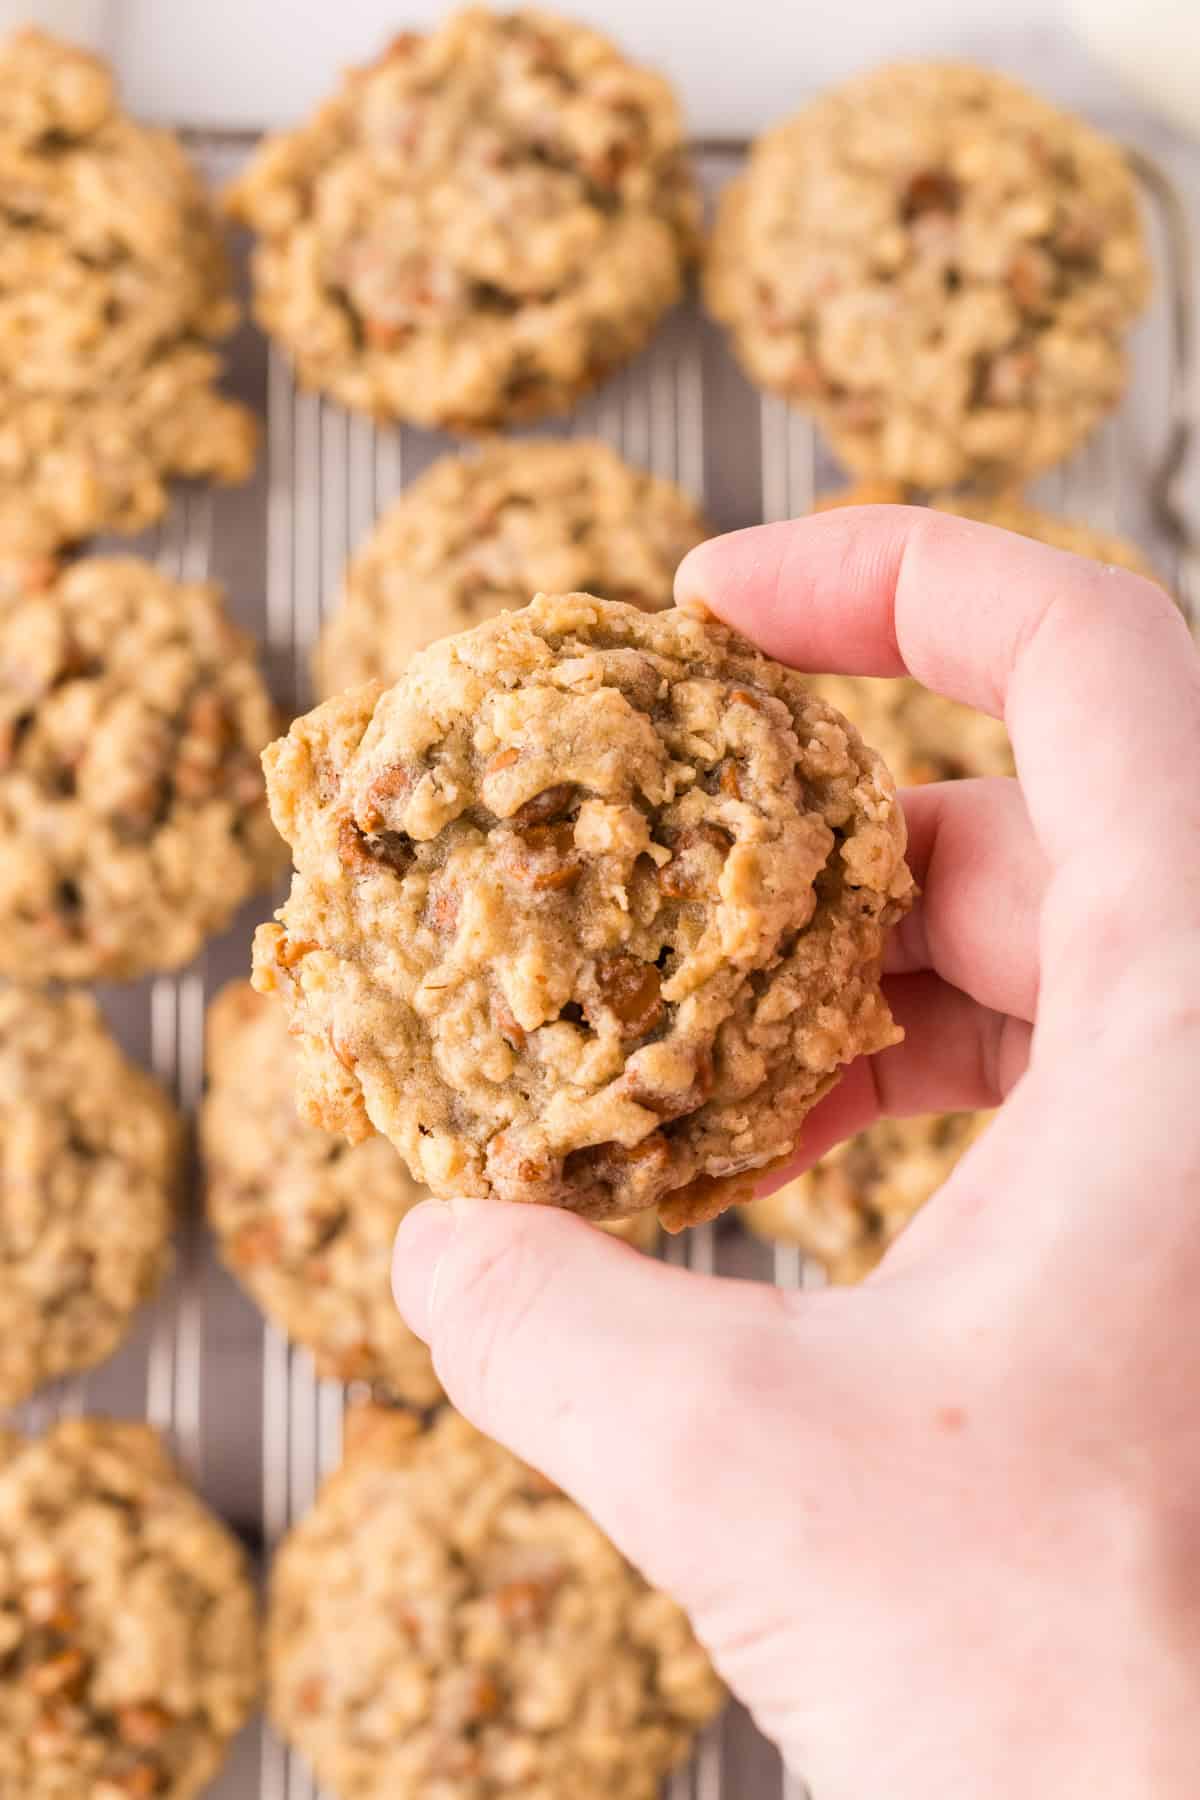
(956, 1500)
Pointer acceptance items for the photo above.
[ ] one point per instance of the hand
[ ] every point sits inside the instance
(940, 1532)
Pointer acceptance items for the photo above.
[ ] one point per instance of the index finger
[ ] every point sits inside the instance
(1091, 667)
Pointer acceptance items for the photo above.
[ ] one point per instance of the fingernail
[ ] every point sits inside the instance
(421, 1243)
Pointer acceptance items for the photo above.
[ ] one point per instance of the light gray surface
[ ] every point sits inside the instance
(249, 1420)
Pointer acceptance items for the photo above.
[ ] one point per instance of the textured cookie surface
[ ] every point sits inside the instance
(476, 227)
(306, 1220)
(114, 289)
(128, 1630)
(444, 1625)
(133, 817)
(89, 1161)
(941, 267)
(589, 909)
(476, 535)
(847, 1209)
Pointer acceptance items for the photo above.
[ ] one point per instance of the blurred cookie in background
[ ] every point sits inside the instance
(114, 292)
(847, 1209)
(941, 267)
(129, 1625)
(133, 813)
(90, 1151)
(444, 1622)
(478, 226)
(920, 735)
(478, 534)
(304, 1220)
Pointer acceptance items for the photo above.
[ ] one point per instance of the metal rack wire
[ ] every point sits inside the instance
(280, 546)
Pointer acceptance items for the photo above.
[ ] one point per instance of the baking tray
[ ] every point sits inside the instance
(250, 1422)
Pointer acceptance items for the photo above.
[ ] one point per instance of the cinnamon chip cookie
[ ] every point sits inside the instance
(89, 1161)
(133, 817)
(114, 289)
(303, 1219)
(478, 226)
(128, 1628)
(847, 1209)
(476, 535)
(589, 909)
(445, 1625)
(941, 267)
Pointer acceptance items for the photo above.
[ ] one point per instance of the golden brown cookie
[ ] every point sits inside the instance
(938, 265)
(89, 1166)
(133, 816)
(846, 1209)
(444, 1624)
(128, 1625)
(589, 909)
(114, 290)
(478, 534)
(478, 226)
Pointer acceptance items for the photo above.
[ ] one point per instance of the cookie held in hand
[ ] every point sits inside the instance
(589, 909)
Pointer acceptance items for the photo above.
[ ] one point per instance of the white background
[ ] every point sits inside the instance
(738, 63)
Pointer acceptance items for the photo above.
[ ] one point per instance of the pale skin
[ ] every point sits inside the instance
(941, 1532)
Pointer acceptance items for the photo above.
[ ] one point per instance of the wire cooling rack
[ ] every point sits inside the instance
(249, 1420)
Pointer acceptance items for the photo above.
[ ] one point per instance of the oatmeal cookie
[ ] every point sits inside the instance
(128, 1627)
(445, 1625)
(941, 267)
(114, 289)
(847, 1209)
(476, 535)
(133, 818)
(922, 736)
(589, 909)
(89, 1164)
(305, 1220)
(478, 227)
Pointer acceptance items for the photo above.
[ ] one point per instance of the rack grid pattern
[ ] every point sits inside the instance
(247, 1415)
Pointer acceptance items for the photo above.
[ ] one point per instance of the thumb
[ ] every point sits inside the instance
(658, 1399)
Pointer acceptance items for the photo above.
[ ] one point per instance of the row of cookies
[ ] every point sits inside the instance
(480, 225)
(443, 1625)
(136, 825)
